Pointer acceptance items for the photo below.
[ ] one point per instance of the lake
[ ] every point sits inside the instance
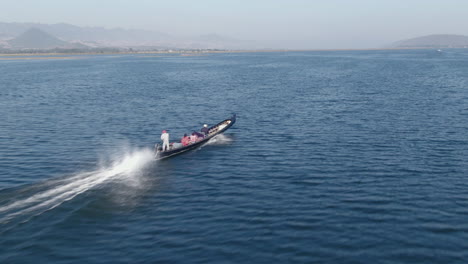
(336, 157)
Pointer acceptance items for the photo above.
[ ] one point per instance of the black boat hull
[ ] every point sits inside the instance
(215, 130)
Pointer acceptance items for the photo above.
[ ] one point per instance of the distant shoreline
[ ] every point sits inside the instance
(198, 52)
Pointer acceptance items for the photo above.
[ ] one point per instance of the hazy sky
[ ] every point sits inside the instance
(273, 23)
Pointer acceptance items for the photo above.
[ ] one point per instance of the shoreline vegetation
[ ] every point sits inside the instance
(180, 52)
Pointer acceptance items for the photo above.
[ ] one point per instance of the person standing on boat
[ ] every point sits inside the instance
(165, 140)
(205, 129)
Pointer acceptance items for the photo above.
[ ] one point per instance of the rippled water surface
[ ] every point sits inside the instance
(336, 157)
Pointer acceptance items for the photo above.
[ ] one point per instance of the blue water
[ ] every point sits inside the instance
(336, 157)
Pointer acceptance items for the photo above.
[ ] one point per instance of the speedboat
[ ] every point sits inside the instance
(212, 132)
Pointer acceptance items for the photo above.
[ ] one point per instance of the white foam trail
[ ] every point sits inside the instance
(125, 169)
(220, 139)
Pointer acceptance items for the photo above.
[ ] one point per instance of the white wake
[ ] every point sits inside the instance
(128, 169)
(220, 139)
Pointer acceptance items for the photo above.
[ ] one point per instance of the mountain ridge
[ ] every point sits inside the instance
(434, 41)
(119, 37)
(35, 38)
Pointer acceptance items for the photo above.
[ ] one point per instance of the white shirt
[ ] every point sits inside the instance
(165, 138)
